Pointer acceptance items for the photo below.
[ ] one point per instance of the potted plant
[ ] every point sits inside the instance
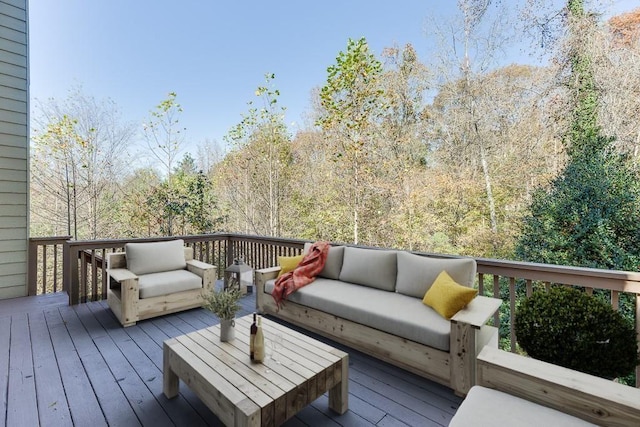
(224, 304)
(570, 328)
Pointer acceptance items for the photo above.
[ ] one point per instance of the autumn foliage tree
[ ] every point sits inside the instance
(352, 103)
(254, 176)
(78, 155)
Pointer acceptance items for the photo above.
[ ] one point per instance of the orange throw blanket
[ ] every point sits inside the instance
(302, 275)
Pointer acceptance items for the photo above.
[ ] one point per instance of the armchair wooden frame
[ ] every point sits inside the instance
(593, 399)
(123, 296)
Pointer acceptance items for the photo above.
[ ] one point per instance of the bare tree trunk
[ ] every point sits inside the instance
(75, 203)
(356, 197)
(68, 194)
(487, 183)
(272, 228)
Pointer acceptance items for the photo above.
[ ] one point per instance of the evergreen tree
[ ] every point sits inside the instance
(590, 215)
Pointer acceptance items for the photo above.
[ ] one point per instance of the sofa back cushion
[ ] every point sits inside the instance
(155, 257)
(333, 265)
(369, 267)
(417, 273)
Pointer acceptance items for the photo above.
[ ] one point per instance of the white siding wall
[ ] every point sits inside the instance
(14, 148)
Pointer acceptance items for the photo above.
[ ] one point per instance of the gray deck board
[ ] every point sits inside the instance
(22, 386)
(5, 340)
(63, 366)
(177, 410)
(112, 399)
(81, 398)
(52, 404)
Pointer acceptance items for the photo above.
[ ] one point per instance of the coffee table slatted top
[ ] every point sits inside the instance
(244, 393)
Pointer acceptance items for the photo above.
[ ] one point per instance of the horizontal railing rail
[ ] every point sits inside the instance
(83, 276)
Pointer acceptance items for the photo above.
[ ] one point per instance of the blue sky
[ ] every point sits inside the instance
(213, 54)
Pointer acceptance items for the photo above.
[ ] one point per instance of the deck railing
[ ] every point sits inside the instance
(81, 271)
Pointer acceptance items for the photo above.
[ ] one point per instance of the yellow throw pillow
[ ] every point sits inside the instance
(288, 263)
(448, 297)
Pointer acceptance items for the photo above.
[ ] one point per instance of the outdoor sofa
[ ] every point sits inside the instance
(371, 300)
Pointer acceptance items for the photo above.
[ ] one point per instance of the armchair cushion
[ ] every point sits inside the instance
(167, 282)
(485, 407)
(155, 257)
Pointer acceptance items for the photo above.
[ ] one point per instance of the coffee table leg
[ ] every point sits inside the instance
(170, 381)
(339, 394)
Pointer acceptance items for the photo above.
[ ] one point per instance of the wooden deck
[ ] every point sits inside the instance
(63, 366)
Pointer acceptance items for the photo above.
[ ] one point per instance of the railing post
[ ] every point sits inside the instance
(70, 273)
(230, 255)
(32, 273)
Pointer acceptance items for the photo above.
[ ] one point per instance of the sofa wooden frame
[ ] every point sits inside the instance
(581, 395)
(455, 369)
(123, 296)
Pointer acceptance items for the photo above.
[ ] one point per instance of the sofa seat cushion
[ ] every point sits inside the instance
(485, 407)
(167, 282)
(390, 312)
(155, 257)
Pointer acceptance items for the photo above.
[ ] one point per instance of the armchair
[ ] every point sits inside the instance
(514, 390)
(152, 279)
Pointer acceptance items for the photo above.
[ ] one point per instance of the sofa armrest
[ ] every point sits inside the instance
(265, 274)
(261, 277)
(121, 274)
(585, 396)
(478, 311)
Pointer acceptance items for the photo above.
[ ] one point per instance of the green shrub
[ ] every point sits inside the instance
(570, 328)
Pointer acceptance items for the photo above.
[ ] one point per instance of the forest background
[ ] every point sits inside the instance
(439, 157)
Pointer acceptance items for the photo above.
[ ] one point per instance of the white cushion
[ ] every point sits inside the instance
(167, 282)
(155, 257)
(486, 407)
(369, 267)
(417, 273)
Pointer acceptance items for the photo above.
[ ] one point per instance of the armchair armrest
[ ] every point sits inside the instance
(585, 396)
(204, 270)
(121, 274)
(478, 311)
(199, 267)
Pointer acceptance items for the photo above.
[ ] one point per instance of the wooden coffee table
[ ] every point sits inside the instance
(243, 393)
